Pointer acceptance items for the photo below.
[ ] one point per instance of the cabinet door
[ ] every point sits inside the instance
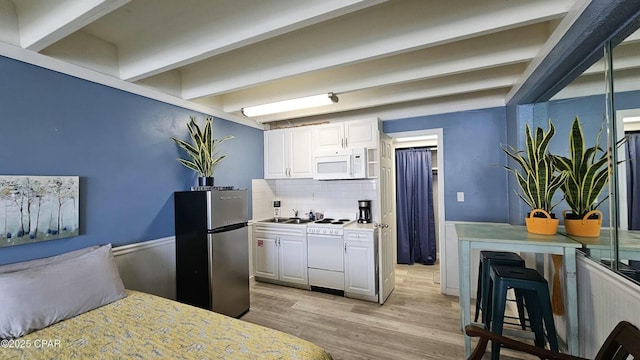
(275, 154)
(361, 133)
(300, 154)
(293, 259)
(328, 136)
(359, 261)
(265, 251)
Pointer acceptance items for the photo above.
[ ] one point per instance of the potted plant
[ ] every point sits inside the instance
(586, 177)
(538, 179)
(202, 153)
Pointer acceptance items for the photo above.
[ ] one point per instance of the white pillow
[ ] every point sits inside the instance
(44, 261)
(35, 298)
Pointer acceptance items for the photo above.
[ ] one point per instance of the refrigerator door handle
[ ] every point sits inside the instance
(228, 228)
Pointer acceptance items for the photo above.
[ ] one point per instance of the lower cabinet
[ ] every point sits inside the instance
(280, 253)
(360, 264)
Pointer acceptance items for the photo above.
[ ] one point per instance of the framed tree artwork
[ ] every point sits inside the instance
(38, 208)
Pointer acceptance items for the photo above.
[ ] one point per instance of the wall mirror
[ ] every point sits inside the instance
(607, 96)
(624, 89)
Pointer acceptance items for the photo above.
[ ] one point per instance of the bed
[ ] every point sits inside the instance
(136, 325)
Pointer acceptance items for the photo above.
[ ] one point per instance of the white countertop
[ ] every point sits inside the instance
(358, 226)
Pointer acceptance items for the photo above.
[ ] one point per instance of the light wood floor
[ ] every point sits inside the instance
(416, 322)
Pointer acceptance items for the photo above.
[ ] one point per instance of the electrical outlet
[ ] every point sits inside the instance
(460, 196)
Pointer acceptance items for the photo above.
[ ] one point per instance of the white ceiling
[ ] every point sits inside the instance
(384, 58)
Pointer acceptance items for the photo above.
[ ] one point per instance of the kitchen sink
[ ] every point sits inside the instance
(276, 220)
(298, 221)
(286, 221)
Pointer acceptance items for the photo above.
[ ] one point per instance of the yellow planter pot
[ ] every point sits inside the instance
(583, 227)
(541, 226)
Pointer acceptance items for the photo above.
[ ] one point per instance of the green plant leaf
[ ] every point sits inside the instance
(537, 174)
(202, 150)
(586, 171)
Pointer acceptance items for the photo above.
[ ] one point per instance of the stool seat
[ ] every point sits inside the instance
(483, 292)
(533, 287)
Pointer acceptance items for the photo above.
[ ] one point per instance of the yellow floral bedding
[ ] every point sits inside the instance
(145, 326)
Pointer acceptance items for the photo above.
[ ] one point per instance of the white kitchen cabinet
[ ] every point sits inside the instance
(265, 249)
(328, 136)
(288, 153)
(346, 135)
(280, 253)
(360, 264)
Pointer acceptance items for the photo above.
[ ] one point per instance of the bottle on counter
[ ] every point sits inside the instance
(312, 217)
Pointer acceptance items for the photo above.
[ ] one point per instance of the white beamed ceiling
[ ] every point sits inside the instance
(383, 58)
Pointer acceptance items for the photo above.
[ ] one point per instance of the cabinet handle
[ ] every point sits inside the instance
(346, 142)
(343, 143)
(345, 248)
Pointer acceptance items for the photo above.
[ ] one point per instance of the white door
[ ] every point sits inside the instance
(386, 235)
(265, 250)
(275, 154)
(300, 153)
(361, 133)
(293, 259)
(328, 136)
(359, 269)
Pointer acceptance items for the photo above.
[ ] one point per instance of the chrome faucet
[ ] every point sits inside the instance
(295, 213)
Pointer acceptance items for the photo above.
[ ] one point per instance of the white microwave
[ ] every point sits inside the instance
(340, 164)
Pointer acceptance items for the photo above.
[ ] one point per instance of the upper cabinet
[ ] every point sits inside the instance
(288, 153)
(345, 135)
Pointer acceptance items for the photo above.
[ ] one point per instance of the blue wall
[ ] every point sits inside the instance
(118, 143)
(472, 161)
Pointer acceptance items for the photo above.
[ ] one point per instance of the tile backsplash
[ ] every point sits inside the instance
(337, 196)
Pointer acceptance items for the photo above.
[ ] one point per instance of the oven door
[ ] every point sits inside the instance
(325, 252)
(325, 259)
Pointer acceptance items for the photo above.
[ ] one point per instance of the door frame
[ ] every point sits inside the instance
(439, 143)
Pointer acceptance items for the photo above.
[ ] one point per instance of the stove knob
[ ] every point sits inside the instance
(324, 231)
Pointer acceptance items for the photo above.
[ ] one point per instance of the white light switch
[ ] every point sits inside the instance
(460, 195)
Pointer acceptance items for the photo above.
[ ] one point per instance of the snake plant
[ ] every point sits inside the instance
(587, 172)
(202, 152)
(538, 178)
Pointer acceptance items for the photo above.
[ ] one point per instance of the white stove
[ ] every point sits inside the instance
(325, 251)
(329, 226)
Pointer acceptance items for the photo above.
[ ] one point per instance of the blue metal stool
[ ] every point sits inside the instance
(483, 293)
(535, 290)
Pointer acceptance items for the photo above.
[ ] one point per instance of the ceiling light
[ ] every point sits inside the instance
(631, 119)
(289, 105)
(417, 138)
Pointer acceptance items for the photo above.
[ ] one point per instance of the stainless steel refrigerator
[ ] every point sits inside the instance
(212, 255)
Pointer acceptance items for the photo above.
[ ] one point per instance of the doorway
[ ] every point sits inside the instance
(433, 139)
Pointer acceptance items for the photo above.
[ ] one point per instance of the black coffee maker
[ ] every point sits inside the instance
(365, 211)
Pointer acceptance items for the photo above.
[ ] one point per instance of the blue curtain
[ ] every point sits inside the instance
(414, 207)
(633, 178)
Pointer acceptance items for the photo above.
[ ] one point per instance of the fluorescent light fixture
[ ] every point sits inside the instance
(290, 105)
(417, 138)
(631, 119)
